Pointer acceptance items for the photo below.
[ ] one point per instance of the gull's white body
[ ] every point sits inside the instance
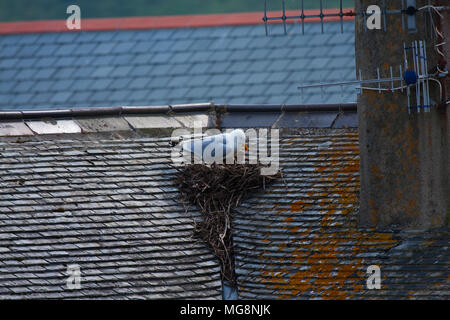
(228, 142)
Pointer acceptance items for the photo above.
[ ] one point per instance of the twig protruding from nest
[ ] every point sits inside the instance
(217, 191)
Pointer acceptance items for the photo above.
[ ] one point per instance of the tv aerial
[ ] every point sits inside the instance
(412, 74)
(408, 12)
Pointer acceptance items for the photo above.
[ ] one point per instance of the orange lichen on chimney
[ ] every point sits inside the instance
(325, 261)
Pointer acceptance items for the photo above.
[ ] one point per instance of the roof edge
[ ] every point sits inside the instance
(169, 109)
(161, 120)
(162, 22)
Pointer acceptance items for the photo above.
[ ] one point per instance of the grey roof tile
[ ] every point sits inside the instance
(238, 66)
(219, 55)
(66, 49)
(199, 80)
(6, 98)
(85, 48)
(164, 46)
(42, 51)
(277, 89)
(142, 47)
(220, 67)
(197, 92)
(160, 82)
(179, 69)
(180, 57)
(81, 97)
(120, 83)
(139, 83)
(159, 94)
(43, 74)
(64, 73)
(101, 96)
(102, 72)
(45, 62)
(217, 92)
(161, 57)
(179, 45)
(200, 68)
(218, 79)
(42, 98)
(21, 99)
(104, 36)
(104, 48)
(238, 78)
(139, 95)
(65, 61)
(236, 91)
(277, 76)
(82, 84)
(7, 74)
(24, 74)
(259, 77)
(8, 63)
(119, 95)
(67, 37)
(100, 84)
(44, 86)
(141, 70)
(61, 97)
(28, 50)
(63, 85)
(178, 93)
(9, 51)
(27, 63)
(101, 60)
(257, 89)
(6, 86)
(151, 59)
(123, 47)
(123, 60)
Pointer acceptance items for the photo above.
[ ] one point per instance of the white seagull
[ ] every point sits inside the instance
(205, 148)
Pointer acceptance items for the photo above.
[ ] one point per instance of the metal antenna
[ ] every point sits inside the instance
(418, 78)
(323, 15)
(408, 14)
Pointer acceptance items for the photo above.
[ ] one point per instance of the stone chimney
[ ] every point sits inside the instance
(404, 157)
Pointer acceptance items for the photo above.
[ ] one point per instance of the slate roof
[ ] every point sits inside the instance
(106, 203)
(300, 240)
(106, 199)
(225, 64)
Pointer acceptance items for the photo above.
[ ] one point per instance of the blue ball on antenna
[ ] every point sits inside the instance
(410, 77)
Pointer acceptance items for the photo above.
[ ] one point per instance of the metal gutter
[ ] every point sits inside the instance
(170, 109)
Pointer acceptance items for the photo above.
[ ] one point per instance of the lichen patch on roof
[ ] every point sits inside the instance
(300, 239)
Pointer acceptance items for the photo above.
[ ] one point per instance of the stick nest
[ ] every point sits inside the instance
(216, 191)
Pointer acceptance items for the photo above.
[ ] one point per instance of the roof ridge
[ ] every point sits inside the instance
(159, 22)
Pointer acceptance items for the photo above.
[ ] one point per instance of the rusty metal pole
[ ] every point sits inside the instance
(404, 157)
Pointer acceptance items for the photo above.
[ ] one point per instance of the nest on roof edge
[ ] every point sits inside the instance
(216, 191)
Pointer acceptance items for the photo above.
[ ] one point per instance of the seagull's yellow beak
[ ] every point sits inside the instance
(246, 147)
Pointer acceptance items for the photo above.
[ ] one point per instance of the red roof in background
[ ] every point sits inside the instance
(134, 23)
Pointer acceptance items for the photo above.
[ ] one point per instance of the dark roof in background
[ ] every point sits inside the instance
(227, 64)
